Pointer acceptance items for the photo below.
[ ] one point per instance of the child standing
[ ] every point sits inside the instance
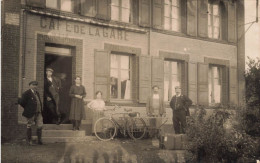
(77, 111)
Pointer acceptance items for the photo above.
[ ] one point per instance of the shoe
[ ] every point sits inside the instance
(39, 134)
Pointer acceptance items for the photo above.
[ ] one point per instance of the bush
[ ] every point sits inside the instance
(219, 137)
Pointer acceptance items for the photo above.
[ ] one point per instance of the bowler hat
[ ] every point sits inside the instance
(49, 69)
(33, 83)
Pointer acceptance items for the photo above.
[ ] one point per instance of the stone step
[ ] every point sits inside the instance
(63, 133)
(57, 127)
(65, 139)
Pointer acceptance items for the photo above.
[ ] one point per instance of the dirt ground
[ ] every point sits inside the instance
(91, 151)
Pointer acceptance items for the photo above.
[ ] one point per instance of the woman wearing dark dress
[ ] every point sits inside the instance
(77, 111)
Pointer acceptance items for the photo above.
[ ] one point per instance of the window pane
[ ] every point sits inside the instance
(175, 25)
(126, 4)
(166, 87)
(215, 10)
(125, 15)
(115, 2)
(52, 4)
(166, 23)
(176, 2)
(114, 83)
(66, 5)
(125, 62)
(114, 60)
(166, 66)
(167, 10)
(209, 9)
(175, 83)
(175, 13)
(125, 84)
(216, 21)
(167, 1)
(174, 68)
(216, 32)
(209, 20)
(114, 13)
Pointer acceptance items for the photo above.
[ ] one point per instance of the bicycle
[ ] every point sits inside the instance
(106, 128)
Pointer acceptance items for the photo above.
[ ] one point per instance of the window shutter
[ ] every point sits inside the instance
(88, 7)
(203, 18)
(233, 86)
(158, 14)
(184, 78)
(183, 13)
(144, 13)
(36, 3)
(224, 22)
(192, 17)
(103, 9)
(231, 22)
(203, 84)
(102, 72)
(144, 78)
(192, 83)
(158, 73)
(134, 10)
(225, 96)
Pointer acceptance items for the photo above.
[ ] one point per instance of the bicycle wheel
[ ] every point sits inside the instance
(136, 128)
(105, 129)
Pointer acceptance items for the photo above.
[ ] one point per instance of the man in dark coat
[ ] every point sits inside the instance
(180, 108)
(31, 102)
(51, 96)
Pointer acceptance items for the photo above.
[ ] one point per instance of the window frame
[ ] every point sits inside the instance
(120, 10)
(211, 14)
(220, 78)
(119, 99)
(59, 6)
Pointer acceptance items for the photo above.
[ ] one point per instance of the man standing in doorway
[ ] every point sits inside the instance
(31, 102)
(51, 95)
(155, 108)
(180, 108)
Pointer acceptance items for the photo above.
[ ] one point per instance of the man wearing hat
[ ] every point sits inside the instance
(31, 102)
(180, 108)
(51, 96)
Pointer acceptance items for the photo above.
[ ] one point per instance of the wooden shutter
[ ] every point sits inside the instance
(134, 10)
(225, 90)
(103, 9)
(88, 7)
(144, 13)
(233, 86)
(36, 3)
(158, 73)
(102, 72)
(231, 22)
(192, 17)
(144, 78)
(158, 14)
(184, 78)
(203, 18)
(203, 84)
(224, 22)
(192, 82)
(183, 6)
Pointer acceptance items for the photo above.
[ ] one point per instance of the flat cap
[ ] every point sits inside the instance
(49, 69)
(177, 87)
(33, 83)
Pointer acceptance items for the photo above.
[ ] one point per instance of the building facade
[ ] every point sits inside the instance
(123, 48)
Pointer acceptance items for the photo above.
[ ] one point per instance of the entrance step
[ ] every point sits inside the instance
(57, 127)
(65, 139)
(62, 133)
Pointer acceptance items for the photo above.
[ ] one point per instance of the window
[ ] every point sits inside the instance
(172, 78)
(172, 19)
(214, 21)
(215, 84)
(120, 10)
(120, 76)
(64, 5)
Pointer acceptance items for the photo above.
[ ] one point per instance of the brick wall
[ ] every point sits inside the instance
(10, 70)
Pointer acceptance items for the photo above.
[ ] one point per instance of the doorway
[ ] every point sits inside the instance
(60, 60)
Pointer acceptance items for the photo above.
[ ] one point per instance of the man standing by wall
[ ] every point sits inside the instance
(155, 108)
(31, 102)
(180, 108)
(51, 96)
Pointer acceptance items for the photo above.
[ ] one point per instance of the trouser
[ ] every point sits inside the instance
(155, 123)
(179, 121)
(53, 109)
(37, 119)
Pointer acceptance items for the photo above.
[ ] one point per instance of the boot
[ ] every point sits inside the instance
(59, 120)
(29, 136)
(39, 134)
(74, 124)
(79, 122)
